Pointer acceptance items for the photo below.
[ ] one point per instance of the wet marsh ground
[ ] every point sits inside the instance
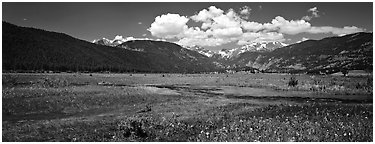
(185, 107)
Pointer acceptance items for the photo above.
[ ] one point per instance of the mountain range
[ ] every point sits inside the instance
(263, 46)
(35, 49)
(329, 55)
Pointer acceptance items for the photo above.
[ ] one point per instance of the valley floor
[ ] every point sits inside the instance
(185, 107)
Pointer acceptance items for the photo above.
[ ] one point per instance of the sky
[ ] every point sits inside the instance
(212, 25)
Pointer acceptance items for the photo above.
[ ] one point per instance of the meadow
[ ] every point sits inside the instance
(71, 107)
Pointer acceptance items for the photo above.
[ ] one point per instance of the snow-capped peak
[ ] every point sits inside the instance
(262, 46)
(118, 37)
(103, 39)
(200, 50)
(119, 40)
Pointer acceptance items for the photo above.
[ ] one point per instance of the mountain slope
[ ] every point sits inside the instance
(103, 41)
(253, 47)
(328, 55)
(201, 50)
(35, 49)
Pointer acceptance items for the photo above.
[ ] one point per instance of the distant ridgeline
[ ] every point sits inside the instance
(30, 49)
(34, 50)
(326, 56)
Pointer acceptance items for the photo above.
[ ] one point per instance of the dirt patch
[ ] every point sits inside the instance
(161, 91)
(235, 92)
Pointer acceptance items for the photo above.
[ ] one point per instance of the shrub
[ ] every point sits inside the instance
(345, 72)
(54, 82)
(292, 82)
(367, 86)
(133, 127)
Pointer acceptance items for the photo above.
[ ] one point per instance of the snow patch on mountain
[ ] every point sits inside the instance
(201, 50)
(119, 40)
(253, 47)
(229, 53)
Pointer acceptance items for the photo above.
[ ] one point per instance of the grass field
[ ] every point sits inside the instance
(186, 107)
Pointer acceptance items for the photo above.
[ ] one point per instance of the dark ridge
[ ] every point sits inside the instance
(36, 50)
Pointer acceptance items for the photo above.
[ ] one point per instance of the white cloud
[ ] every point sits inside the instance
(335, 30)
(144, 35)
(225, 21)
(245, 12)
(314, 13)
(215, 18)
(212, 37)
(251, 26)
(168, 26)
(195, 32)
(291, 27)
(232, 32)
(251, 37)
(205, 15)
(219, 27)
(139, 23)
(271, 36)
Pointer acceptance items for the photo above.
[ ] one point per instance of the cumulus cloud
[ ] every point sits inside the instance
(195, 32)
(251, 26)
(335, 30)
(225, 21)
(250, 37)
(168, 26)
(314, 13)
(205, 15)
(245, 12)
(291, 27)
(231, 32)
(216, 19)
(220, 27)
